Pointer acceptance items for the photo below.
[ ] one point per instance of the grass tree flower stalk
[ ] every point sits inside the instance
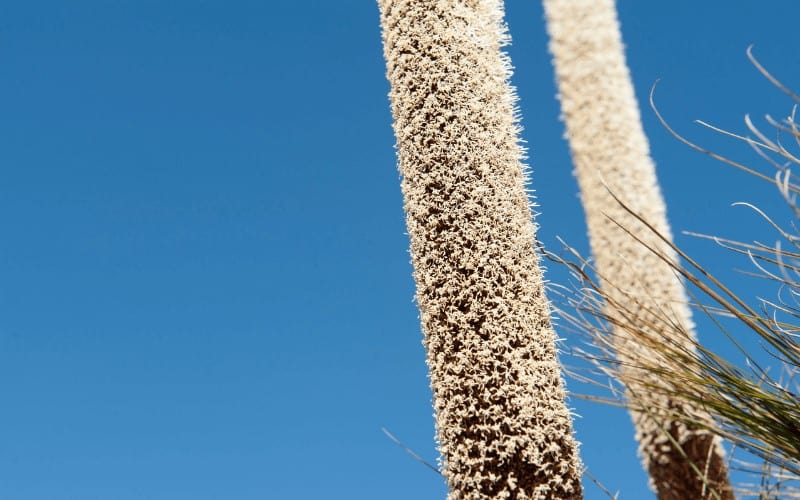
(611, 155)
(502, 425)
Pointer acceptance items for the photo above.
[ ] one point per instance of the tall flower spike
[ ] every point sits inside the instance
(611, 153)
(503, 428)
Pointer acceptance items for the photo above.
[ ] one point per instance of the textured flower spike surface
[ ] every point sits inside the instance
(611, 155)
(503, 428)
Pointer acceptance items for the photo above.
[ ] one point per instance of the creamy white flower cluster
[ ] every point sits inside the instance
(611, 155)
(503, 428)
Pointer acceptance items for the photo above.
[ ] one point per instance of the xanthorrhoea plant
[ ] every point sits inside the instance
(503, 428)
(611, 155)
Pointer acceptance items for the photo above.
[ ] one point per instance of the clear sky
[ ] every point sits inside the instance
(205, 290)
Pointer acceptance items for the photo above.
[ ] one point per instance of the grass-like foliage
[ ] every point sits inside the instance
(753, 406)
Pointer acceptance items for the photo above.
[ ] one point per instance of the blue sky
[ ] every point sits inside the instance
(205, 290)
